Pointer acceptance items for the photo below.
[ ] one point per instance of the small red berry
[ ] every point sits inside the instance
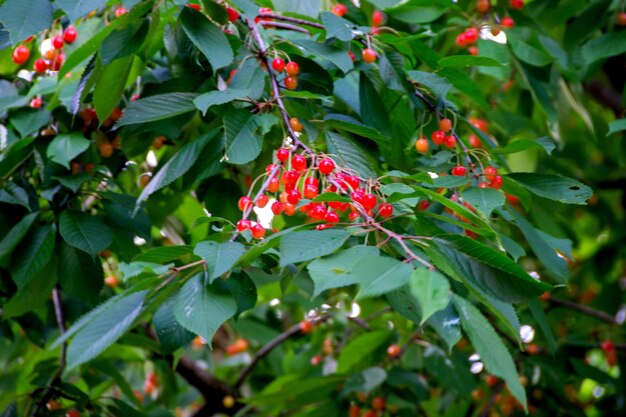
(421, 145)
(378, 18)
(306, 326)
(461, 40)
(474, 141)
(316, 360)
(369, 55)
(293, 196)
(70, 34)
(370, 413)
(277, 208)
(245, 203)
(352, 56)
(483, 185)
(310, 191)
(298, 162)
(35, 103)
(282, 154)
(58, 42)
(194, 6)
(21, 54)
(273, 185)
(607, 346)
(40, 66)
(317, 212)
(244, 224)
(459, 171)
(290, 177)
(496, 182)
(473, 50)
(278, 64)
(291, 83)
(483, 6)
(471, 35)
(507, 22)
(490, 173)
(369, 201)
(353, 215)
(340, 10)
(292, 68)
(393, 351)
(262, 201)
(331, 217)
(450, 141)
(232, 14)
(120, 11)
(326, 166)
(385, 210)
(438, 137)
(354, 411)
(445, 125)
(621, 19)
(516, 4)
(72, 413)
(423, 205)
(378, 403)
(258, 231)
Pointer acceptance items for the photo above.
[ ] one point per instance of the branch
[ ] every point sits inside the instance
(290, 19)
(600, 315)
(286, 26)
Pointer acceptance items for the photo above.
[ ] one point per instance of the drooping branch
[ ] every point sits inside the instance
(286, 26)
(290, 19)
(591, 312)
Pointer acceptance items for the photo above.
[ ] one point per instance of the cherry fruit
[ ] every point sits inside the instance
(340, 10)
(369, 55)
(70, 34)
(292, 68)
(278, 64)
(326, 166)
(459, 171)
(21, 54)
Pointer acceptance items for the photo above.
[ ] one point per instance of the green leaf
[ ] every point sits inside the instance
(448, 370)
(15, 236)
(243, 289)
(554, 187)
(84, 232)
(34, 294)
(14, 194)
(162, 106)
(335, 271)
(373, 111)
(616, 126)
(207, 37)
(419, 11)
(544, 143)
(75, 9)
(352, 154)
(337, 27)
(13, 156)
(438, 85)
(310, 244)
(380, 275)
(171, 334)
(527, 48)
(23, 18)
(66, 147)
(508, 282)
(489, 346)
(202, 308)
(123, 42)
(339, 57)
(164, 254)
(366, 381)
(540, 317)
(468, 61)
(33, 254)
(484, 200)
(176, 167)
(605, 46)
(431, 290)
(102, 327)
(219, 257)
(214, 98)
(242, 144)
(110, 86)
(349, 124)
(28, 121)
(356, 353)
(80, 275)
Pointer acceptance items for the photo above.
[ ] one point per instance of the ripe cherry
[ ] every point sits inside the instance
(232, 14)
(57, 62)
(111, 281)
(262, 201)
(450, 141)
(277, 208)
(393, 351)
(621, 19)
(282, 154)
(278, 64)
(369, 55)
(316, 360)
(369, 201)
(21, 54)
(421, 145)
(273, 185)
(473, 50)
(370, 413)
(194, 6)
(378, 403)
(331, 217)
(471, 35)
(490, 173)
(533, 349)
(58, 42)
(310, 191)
(244, 224)
(516, 4)
(290, 178)
(378, 18)
(352, 56)
(292, 68)
(40, 66)
(438, 137)
(461, 40)
(445, 125)
(483, 185)
(72, 413)
(340, 10)
(105, 150)
(354, 411)
(53, 405)
(36, 102)
(291, 83)
(317, 211)
(607, 346)
(326, 166)
(353, 215)
(298, 162)
(496, 182)
(459, 171)
(306, 326)
(120, 11)
(474, 141)
(244, 203)
(507, 22)
(385, 210)
(483, 6)
(423, 205)
(293, 196)
(295, 124)
(70, 34)
(258, 231)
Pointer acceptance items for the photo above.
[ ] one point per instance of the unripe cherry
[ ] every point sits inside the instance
(273, 185)
(291, 83)
(445, 125)
(369, 55)
(295, 124)
(421, 145)
(393, 351)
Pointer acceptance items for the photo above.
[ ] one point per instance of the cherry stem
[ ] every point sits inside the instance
(286, 26)
(290, 19)
(187, 266)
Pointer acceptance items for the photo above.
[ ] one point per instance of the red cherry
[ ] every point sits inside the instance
(370, 413)
(483, 185)
(232, 14)
(278, 64)
(490, 173)
(262, 201)
(438, 137)
(298, 162)
(352, 56)
(461, 40)
(310, 191)
(422, 145)
(244, 224)
(72, 413)
(277, 208)
(311, 181)
(473, 50)
(450, 141)
(292, 68)
(245, 203)
(57, 62)
(353, 215)
(459, 171)
(21, 54)
(353, 181)
(120, 11)
(393, 351)
(58, 42)
(423, 205)
(70, 34)
(621, 19)
(516, 4)
(40, 66)
(35, 103)
(496, 182)
(291, 83)
(293, 196)
(369, 55)
(354, 411)
(326, 166)
(378, 403)
(378, 18)
(369, 201)
(273, 185)
(607, 346)
(507, 22)
(194, 6)
(324, 226)
(474, 141)
(331, 217)
(483, 6)
(306, 326)
(318, 212)
(471, 35)
(316, 360)
(290, 177)
(385, 210)
(340, 9)
(445, 125)
(258, 231)
(282, 154)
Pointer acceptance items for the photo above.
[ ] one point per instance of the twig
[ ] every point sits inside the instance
(187, 266)
(600, 315)
(291, 19)
(271, 345)
(286, 26)
(492, 399)
(360, 322)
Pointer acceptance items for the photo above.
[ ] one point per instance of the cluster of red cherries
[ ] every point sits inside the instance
(53, 58)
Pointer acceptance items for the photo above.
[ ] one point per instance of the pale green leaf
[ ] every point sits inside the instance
(219, 257)
(66, 147)
(380, 275)
(310, 244)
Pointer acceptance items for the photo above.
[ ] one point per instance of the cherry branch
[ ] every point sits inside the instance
(600, 315)
(286, 26)
(290, 19)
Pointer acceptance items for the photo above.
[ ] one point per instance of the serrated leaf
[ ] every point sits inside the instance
(33, 254)
(23, 18)
(373, 111)
(15, 236)
(335, 271)
(243, 289)
(554, 187)
(202, 308)
(207, 37)
(219, 257)
(66, 147)
(241, 143)
(14, 194)
(366, 381)
(162, 106)
(349, 124)
(338, 57)
(84, 232)
(28, 121)
(380, 275)
(431, 290)
(448, 370)
(485, 200)
(214, 98)
(351, 154)
(101, 329)
(607, 45)
(468, 61)
(489, 346)
(34, 294)
(110, 86)
(544, 143)
(540, 317)
(176, 167)
(123, 42)
(170, 333)
(75, 9)
(80, 275)
(310, 244)
(337, 27)
(140, 268)
(439, 85)
(354, 356)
